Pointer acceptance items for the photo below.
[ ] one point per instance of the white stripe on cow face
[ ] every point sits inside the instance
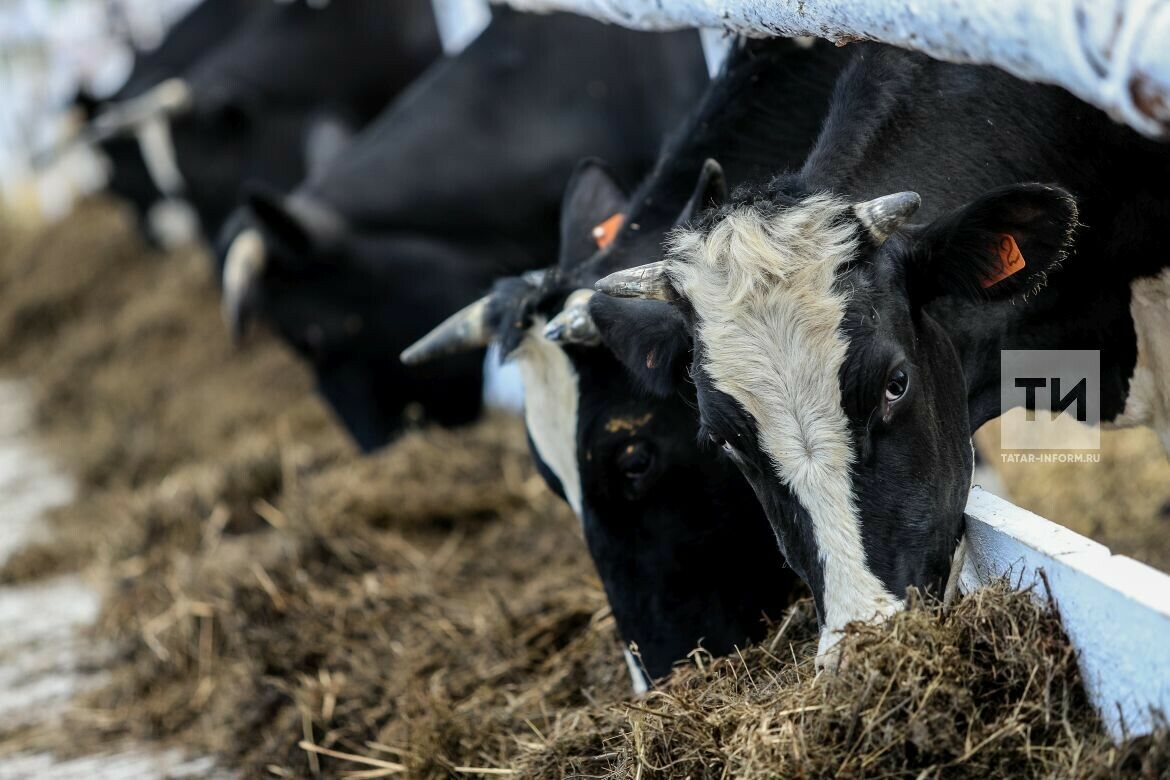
(768, 321)
(550, 408)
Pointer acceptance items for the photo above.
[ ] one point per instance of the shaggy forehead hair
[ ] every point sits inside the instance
(761, 280)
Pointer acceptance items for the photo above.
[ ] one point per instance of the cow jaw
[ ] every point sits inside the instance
(767, 321)
(550, 408)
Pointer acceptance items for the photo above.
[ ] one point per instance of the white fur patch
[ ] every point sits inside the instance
(768, 318)
(1148, 402)
(550, 408)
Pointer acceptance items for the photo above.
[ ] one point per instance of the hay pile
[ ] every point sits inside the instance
(297, 610)
(988, 689)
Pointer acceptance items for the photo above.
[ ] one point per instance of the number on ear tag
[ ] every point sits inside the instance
(1011, 260)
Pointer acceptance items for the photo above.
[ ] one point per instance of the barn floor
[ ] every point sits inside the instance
(275, 602)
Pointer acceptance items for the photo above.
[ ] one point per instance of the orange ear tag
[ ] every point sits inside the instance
(1011, 261)
(605, 233)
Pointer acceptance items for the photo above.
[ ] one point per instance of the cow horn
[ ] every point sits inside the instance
(574, 325)
(882, 216)
(642, 281)
(710, 192)
(168, 98)
(465, 330)
(246, 259)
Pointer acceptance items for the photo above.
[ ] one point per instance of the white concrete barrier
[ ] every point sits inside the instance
(1116, 611)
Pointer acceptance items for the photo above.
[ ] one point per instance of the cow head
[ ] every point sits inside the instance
(821, 374)
(348, 300)
(681, 545)
(177, 143)
(134, 136)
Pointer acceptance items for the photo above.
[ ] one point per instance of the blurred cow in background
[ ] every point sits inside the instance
(458, 183)
(275, 96)
(200, 30)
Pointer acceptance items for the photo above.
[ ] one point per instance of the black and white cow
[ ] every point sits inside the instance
(196, 33)
(193, 35)
(680, 543)
(846, 340)
(457, 184)
(275, 99)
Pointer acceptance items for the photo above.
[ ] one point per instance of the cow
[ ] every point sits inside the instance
(682, 547)
(273, 101)
(192, 36)
(207, 24)
(844, 323)
(458, 183)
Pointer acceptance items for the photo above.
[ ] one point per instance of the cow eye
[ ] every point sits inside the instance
(897, 385)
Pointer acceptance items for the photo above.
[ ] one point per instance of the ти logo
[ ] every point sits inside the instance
(1051, 399)
(1079, 395)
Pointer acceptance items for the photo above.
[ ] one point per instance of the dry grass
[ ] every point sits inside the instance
(430, 611)
(127, 351)
(987, 689)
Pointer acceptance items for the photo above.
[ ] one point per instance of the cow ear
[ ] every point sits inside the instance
(297, 228)
(592, 197)
(649, 338)
(1001, 245)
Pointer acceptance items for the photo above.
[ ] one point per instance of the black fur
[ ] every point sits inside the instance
(956, 254)
(190, 38)
(263, 75)
(648, 338)
(259, 93)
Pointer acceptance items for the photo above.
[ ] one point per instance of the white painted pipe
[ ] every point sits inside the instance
(460, 22)
(716, 43)
(1114, 54)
